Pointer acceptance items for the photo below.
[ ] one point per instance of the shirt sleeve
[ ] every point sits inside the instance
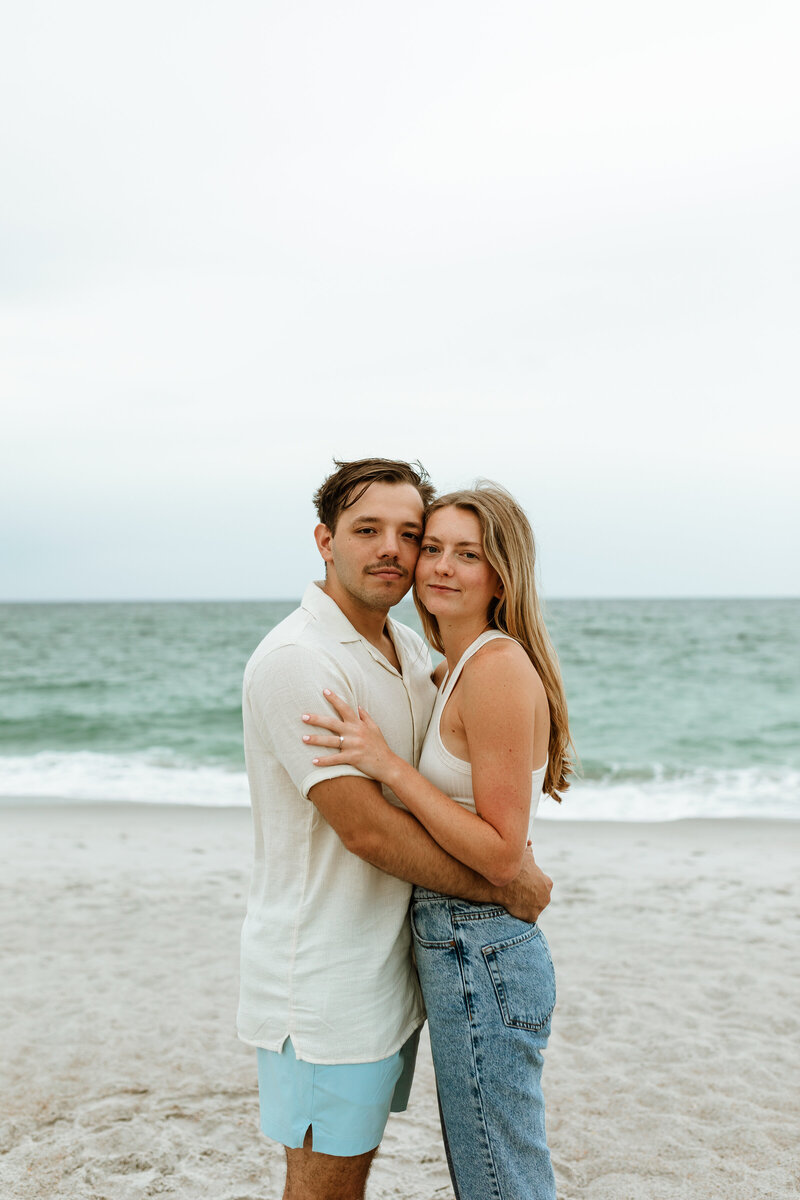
(285, 684)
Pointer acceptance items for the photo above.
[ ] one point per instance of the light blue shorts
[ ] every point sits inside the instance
(347, 1105)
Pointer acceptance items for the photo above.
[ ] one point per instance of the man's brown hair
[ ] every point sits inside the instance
(350, 480)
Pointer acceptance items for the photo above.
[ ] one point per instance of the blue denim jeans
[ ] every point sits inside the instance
(489, 989)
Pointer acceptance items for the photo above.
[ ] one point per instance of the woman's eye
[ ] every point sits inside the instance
(425, 549)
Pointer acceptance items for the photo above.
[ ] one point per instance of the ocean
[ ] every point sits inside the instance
(679, 708)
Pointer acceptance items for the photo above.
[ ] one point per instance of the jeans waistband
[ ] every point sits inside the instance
(421, 893)
(454, 902)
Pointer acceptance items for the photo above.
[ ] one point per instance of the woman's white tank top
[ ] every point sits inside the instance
(452, 775)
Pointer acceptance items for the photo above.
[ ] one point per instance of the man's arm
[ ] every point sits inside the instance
(288, 682)
(395, 842)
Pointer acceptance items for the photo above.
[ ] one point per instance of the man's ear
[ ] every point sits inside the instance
(324, 538)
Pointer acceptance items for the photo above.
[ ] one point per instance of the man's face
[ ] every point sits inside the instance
(372, 555)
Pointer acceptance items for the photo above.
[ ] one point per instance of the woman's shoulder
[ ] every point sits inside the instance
(502, 649)
(502, 662)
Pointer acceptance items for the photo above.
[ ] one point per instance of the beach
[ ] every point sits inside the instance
(672, 1070)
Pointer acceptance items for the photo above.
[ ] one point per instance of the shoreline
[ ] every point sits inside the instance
(670, 1074)
(68, 804)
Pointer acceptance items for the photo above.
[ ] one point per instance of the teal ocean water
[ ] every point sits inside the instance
(679, 708)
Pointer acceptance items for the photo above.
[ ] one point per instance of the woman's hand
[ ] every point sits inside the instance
(355, 737)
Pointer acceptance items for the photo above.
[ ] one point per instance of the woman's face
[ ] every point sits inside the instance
(454, 578)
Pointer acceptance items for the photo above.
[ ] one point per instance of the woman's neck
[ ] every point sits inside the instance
(457, 636)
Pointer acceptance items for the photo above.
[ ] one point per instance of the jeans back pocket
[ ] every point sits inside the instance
(524, 981)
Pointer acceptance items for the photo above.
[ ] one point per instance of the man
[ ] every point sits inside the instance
(329, 994)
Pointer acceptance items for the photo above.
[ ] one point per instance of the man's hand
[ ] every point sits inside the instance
(527, 895)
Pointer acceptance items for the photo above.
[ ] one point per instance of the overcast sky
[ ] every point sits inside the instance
(551, 244)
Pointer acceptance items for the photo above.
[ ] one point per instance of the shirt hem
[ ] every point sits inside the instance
(324, 1060)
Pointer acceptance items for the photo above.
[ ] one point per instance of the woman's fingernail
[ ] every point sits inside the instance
(305, 716)
(315, 761)
(326, 691)
(306, 737)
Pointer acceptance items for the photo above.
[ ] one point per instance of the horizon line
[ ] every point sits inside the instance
(298, 599)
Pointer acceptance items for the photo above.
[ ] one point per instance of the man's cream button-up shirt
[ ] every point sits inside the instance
(326, 947)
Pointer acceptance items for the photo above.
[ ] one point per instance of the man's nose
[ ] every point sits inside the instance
(390, 544)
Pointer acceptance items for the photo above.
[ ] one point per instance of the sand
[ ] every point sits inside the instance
(673, 1070)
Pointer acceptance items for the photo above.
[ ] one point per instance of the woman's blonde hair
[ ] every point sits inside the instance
(509, 547)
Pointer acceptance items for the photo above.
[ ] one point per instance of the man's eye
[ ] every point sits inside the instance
(366, 529)
(412, 537)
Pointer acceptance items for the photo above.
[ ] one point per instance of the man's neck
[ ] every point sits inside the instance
(369, 622)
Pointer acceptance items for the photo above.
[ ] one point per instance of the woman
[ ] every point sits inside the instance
(498, 736)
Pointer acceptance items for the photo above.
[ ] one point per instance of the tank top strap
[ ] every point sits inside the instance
(489, 635)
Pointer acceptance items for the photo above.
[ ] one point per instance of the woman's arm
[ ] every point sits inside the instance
(495, 701)
(496, 704)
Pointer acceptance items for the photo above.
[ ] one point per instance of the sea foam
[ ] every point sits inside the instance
(158, 776)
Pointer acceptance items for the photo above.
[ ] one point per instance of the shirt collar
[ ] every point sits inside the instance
(336, 625)
(327, 612)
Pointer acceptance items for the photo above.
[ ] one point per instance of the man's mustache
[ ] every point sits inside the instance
(387, 566)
